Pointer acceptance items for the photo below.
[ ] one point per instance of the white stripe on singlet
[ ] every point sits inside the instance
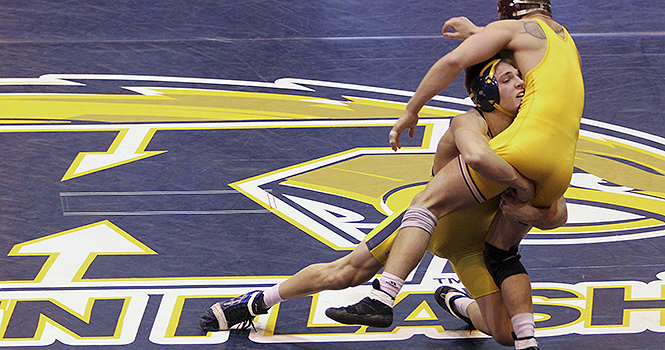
(469, 181)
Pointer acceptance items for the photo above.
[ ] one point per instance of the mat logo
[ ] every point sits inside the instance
(59, 305)
(617, 194)
(561, 309)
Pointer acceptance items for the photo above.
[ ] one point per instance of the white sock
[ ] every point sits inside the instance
(525, 327)
(271, 296)
(390, 286)
(462, 305)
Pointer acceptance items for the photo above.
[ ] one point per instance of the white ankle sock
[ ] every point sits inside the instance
(271, 296)
(462, 305)
(390, 286)
(525, 328)
(524, 325)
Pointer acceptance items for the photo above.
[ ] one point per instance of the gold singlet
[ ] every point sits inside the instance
(541, 141)
(458, 237)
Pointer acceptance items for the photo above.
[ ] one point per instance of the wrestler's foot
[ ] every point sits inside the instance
(222, 316)
(528, 343)
(445, 296)
(368, 312)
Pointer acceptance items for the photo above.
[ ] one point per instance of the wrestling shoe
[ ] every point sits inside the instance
(368, 312)
(445, 296)
(221, 316)
(528, 343)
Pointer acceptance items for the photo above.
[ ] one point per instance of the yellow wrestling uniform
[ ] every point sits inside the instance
(458, 237)
(545, 129)
(541, 141)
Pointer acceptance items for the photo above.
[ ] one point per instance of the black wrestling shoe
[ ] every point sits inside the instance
(445, 296)
(368, 312)
(528, 343)
(222, 316)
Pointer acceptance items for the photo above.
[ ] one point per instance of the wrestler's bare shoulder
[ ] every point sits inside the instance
(510, 25)
(470, 119)
(528, 26)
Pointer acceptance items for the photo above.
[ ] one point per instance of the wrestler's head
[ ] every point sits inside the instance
(495, 85)
(516, 9)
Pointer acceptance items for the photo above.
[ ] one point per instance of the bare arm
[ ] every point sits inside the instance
(461, 27)
(436, 80)
(471, 138)
(543, 218)
(477, 48)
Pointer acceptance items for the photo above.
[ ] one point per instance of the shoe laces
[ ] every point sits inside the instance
(245, 327)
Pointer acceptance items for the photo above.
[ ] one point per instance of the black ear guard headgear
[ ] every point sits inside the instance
(484, 89)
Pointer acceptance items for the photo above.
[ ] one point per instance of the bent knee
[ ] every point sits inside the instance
(504, 339)
(502, 264)
(436, 202)
(424, 199)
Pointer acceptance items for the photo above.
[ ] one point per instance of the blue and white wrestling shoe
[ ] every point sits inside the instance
(221, 316)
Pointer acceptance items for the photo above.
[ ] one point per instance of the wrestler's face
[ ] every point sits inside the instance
(511, 87)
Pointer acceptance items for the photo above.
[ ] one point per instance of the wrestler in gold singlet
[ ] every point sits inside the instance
(458, 237)
(541, 141)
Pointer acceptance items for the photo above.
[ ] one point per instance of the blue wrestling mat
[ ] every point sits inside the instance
(160, 156)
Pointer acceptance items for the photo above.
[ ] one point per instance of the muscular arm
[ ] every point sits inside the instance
(475, 49)
(446, 149)
(543, 218)
(459, 28)
(470, 134)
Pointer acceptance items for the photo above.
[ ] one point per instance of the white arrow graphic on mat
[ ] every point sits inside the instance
(127, 147)
(71, 252)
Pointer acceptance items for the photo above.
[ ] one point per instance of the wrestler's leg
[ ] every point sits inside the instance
(509, 274)
(445, 193)
(506, 234)
(516, 287)
(353, 269)
(488, 313)
(490, 316)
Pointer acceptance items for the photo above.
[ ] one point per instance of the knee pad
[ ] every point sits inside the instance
(419, 216)
(502, 264)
